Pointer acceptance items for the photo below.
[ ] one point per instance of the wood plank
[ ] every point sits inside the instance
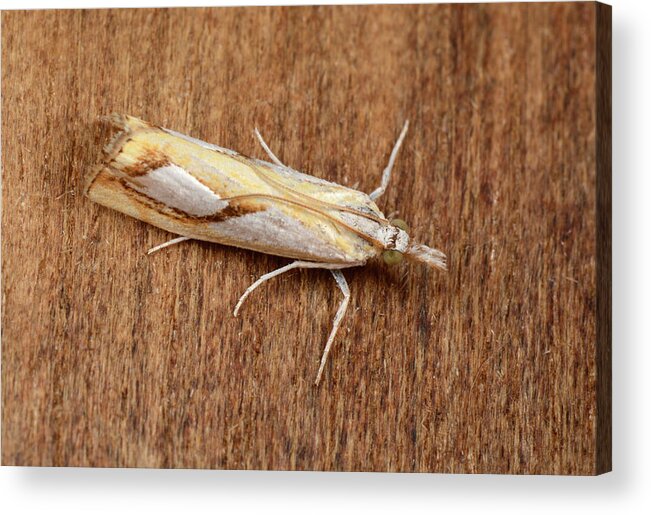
(111, 358)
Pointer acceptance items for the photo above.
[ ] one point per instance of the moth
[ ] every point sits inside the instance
(204, 192)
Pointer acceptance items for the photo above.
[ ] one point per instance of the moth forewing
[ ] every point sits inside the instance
(213, 194)
(202, 191)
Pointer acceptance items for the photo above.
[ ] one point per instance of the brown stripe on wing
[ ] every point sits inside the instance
(151, 159)
(123, 128)
(234, 209)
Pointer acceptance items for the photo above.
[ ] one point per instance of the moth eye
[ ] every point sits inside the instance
(400, 224)
(392, 257)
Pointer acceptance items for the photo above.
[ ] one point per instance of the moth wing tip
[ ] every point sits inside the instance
(90, 177)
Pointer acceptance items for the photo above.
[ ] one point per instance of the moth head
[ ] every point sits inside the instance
(394, 256)
(413, 251)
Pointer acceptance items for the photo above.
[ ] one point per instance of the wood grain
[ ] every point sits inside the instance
(111, 358)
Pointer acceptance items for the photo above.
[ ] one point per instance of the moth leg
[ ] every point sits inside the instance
(167, 244)
(343, 285)
(386, 174)
(282, 270)
(266, 148)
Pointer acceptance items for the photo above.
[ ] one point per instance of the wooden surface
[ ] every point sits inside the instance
(111, 358)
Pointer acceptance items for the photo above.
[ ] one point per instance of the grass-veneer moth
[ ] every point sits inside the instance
(204, 192)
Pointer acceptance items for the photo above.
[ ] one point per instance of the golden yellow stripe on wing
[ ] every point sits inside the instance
(306, 197)
(336, 221)
(322, 208)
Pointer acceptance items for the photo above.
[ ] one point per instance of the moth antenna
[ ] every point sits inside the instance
(386, 174)
(427, 255)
